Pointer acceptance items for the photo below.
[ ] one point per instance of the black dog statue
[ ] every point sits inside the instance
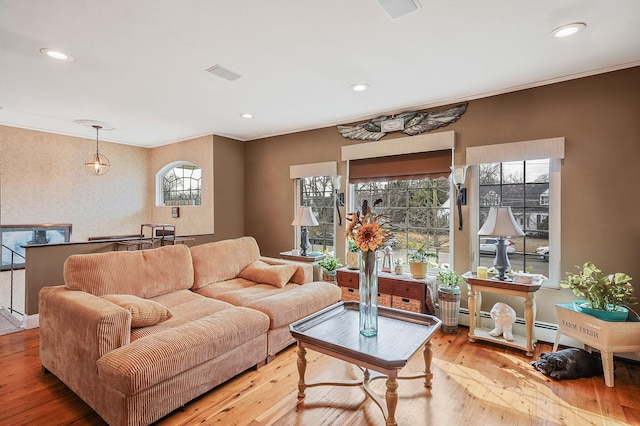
(569, 363)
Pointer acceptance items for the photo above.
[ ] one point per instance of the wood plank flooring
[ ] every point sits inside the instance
(474, 384)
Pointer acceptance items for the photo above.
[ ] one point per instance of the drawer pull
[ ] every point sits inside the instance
(405, 300)
(351, 290)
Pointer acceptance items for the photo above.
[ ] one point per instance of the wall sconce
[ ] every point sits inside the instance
(304, 217)
(97, 164)
(458, 176)
(337, 183)
(501, 223)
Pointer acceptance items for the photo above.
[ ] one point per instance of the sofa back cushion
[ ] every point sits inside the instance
(222, 260)
(143, 273)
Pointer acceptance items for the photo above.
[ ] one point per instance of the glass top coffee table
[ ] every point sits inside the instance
(334, 331)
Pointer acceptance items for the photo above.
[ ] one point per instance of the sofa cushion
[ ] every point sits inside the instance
(287, 307)
(184, 308)
(160, 356)
(222, 260)
(144, 312)
(260, 272)
(143, 273)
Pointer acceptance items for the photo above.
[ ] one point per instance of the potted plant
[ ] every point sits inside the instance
(329, 265)
(418, 262)
(449, 299)
(352, 255)
(397, 267)
(604, 294)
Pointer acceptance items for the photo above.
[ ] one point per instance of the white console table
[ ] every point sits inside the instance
(527, 291)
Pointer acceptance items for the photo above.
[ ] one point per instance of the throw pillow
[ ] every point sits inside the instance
(144, 312)
(261, 272)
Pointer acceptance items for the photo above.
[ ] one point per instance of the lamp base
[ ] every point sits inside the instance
(501, 262)
(304, 241)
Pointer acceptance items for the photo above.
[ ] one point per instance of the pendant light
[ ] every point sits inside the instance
(97, 164)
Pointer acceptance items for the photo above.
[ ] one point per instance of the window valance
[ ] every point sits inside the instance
(420, 165)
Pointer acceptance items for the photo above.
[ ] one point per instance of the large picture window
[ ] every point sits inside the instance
(524, 186)
(419, 210)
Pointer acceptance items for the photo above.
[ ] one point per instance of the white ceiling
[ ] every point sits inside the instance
(140, 65)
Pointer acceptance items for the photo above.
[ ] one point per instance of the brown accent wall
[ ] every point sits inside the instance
(597, 115)
(228, 182)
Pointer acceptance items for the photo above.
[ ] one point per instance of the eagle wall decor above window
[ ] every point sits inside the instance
(410, 122)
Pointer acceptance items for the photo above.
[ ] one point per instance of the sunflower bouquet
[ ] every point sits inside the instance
(368, 230)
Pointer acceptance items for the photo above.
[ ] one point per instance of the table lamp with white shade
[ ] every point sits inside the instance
(501, 223)
(304, 217)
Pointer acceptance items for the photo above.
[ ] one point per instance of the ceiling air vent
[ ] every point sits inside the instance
(223, 73)
(399, 8)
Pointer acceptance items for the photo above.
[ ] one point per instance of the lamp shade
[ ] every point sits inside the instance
(459, 174)
(304, 217)
(501, 223)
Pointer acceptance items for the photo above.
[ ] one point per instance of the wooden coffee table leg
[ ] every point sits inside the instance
(428, 357)
(302, 367)
(392, 398)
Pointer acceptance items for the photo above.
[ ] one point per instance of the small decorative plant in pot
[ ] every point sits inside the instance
(329, 266)
(604, 294)
(397, 267)
(353, 261)
(418, 262)
(449, 299)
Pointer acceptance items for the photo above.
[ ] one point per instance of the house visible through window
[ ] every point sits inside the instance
(181, 185)
(523, 185)
(317, 193)
(419, 210)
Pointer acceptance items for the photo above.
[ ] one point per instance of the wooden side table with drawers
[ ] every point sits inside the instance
(395, 291)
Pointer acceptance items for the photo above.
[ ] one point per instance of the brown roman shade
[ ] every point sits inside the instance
(420, 165)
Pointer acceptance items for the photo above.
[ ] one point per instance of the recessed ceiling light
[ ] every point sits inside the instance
(359, 87)
(246, 115)
(56, 54)
(568, 30)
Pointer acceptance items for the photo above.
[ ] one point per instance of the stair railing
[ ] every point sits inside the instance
(12, 268)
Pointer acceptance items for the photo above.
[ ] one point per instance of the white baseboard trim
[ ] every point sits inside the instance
(31, 321)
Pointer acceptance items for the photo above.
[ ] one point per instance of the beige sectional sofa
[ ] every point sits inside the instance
(138, 334)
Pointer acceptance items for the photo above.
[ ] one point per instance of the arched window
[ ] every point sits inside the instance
(179, 184)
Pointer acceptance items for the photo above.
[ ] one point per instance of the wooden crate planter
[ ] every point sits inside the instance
(608, 337)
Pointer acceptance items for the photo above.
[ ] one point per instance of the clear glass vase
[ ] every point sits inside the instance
(368, 293)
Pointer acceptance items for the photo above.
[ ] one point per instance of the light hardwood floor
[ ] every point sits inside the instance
(474, 384)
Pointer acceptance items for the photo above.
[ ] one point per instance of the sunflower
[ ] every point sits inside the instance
(368, 230)
(368, 237)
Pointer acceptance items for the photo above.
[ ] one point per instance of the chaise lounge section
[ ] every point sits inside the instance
(138, 334)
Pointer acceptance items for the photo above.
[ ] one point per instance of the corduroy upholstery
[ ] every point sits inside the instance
(219, 324)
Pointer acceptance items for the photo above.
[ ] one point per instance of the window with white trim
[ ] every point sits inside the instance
(419, 210)
(179, 184)
(317, 192)
(520, 185)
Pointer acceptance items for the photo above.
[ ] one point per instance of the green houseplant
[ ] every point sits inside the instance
(353, 261)
(449, 299)
(604, 294)
(418, 262)
(397, 267)
(329, 264)
(449, 281)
